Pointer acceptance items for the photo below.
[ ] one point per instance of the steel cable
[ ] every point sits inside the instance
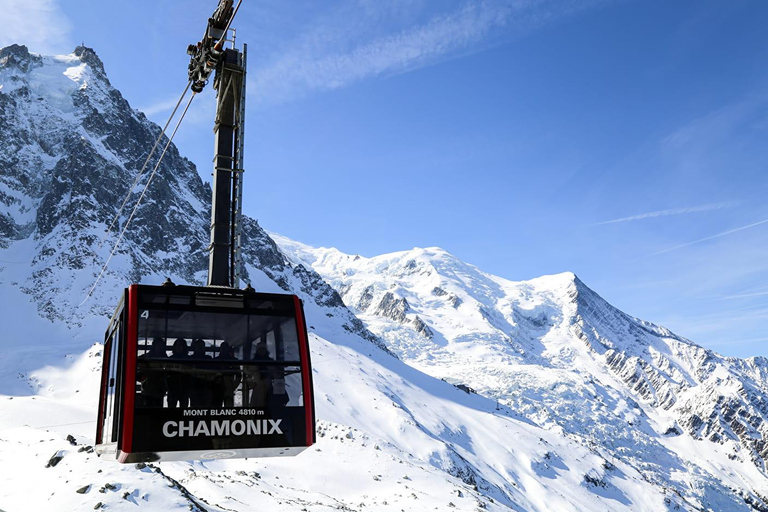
(138, 203)
(143, 167)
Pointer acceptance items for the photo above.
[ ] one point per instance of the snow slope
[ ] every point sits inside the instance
(390, 438)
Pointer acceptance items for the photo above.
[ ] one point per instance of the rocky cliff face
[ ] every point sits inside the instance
(71, 148)
(711, 397)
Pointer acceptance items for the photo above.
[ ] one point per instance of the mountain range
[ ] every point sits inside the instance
(438, 386)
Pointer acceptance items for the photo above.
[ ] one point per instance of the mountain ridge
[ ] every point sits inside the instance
(553, 321)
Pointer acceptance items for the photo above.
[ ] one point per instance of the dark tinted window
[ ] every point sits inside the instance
(247, 334)
(203, 359)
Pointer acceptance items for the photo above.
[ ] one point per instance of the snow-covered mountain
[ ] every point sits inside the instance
(554, 350)
(576, 428)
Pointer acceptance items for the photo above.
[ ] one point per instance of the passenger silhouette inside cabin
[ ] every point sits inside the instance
(228, 379)
(201, 382)
(152, 381)
(260, 381)
(177, 381)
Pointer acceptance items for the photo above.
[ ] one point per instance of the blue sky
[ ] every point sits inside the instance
(622, 140)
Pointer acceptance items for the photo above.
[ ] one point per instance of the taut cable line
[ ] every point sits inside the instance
(143, 167)
(141, 197)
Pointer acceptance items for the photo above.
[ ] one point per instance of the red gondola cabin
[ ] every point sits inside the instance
(205, 373)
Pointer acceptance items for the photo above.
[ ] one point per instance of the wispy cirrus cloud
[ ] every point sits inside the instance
(164, 105)
(201, 111)
(38, 24)
(671, 211)
(329, 60)
(700, 135)
(705, 239)
(743, 341)
(744, 295)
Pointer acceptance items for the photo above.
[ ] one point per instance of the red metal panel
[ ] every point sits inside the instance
(306, 371)
(129, 384)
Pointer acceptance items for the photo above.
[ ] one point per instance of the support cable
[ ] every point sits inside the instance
(138, 203)
(143, 167)
(220, 44)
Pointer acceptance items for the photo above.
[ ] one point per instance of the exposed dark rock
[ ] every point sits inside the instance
(89, 56)
(54, 460)
(422, 328)
(393, 308)
(595, 481)
(468, 390)
(358, 327)
(455, 301)
(438, 292)
(365, 299)
(18, 56)
(410, 266)
(108, 487)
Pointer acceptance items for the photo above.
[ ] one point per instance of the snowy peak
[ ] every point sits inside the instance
(510, 339)
(18, 57)
(45, 78)
(72, 147)
(89, 57)
(433, 288)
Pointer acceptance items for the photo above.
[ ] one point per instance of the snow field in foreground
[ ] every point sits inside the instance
(387, 438)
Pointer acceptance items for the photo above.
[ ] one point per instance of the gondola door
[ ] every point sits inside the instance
(110, 393)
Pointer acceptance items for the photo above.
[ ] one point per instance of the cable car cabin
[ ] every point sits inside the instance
(205, 373)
